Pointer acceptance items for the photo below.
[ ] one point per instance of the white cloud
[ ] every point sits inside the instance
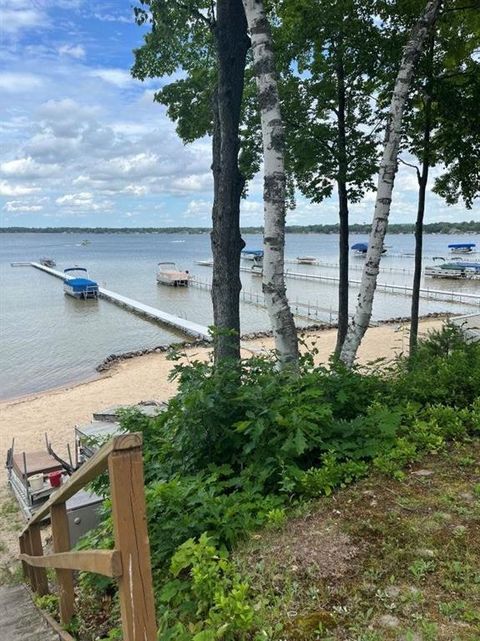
(118, 77)
(18, 82)
(27, 168)
(21, 206)
(110, 17)
(74, 51)
(197, 210)
(20, 19)
(7, 189)
(83, 201)
(198, 182)
(135, 190)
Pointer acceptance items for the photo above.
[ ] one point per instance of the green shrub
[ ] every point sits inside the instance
(239, 444)
(204, 598)
(445, 370)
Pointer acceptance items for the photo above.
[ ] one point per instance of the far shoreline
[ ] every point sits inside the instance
(459, 228)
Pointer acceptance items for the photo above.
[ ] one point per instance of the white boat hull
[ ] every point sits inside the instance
(172, 281)
(88, 293)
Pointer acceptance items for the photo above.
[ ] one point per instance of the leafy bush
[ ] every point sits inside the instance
(240, 443)
(445, 371)
(204, 598)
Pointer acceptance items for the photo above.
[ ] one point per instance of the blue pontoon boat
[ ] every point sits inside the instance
(252, 254)
(79, 285)
(461, 248)
(361, 249)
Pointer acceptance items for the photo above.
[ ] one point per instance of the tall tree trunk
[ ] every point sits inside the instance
(342, 202)
(274, 192)
(232, 43)
(422, 189)
(388, 169)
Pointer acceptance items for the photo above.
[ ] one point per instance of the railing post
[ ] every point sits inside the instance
(61, 543)
(25, 549)
(31, 572)
(131, 538)
(37, 550)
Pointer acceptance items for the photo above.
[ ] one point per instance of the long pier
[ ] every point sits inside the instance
(434, 294)
(163, 318)
(353, 266)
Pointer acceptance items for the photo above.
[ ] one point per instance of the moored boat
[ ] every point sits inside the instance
(252, 254)
(78, 284)
(169, 274)
(306, 260)
(462, 248)
(457, 269)
(360, 249)
(47, 262)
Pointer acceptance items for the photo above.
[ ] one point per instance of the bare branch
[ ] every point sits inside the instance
(409, 164)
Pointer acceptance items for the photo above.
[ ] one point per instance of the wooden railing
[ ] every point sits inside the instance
(128, 563)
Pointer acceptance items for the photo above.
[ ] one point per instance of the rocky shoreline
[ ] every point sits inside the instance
(113, 359)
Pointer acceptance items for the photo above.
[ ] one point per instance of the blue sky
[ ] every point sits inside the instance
(83, 144)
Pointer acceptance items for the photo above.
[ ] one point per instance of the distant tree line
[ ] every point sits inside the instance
(409, 228)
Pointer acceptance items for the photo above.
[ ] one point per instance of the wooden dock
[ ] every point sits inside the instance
(163, 318)
(433, 294)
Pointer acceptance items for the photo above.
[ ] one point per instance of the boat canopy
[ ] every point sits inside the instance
(361, 247)
(466, 265)
(253, 252)
(461, 246)
(75, 269)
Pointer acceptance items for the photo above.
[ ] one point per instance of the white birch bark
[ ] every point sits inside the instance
(386, 177)
(274, 191)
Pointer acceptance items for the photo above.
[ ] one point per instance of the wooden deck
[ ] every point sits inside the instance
(163, 318)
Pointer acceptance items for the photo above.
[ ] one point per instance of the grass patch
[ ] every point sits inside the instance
(387, 573)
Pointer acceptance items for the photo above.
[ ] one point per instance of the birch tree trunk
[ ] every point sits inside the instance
(386, 177)
(274, 190)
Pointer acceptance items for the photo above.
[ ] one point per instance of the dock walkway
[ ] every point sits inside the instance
(185, 326)
(19, 618)
(466, 298)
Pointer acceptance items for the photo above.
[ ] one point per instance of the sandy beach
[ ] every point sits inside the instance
(56, 412)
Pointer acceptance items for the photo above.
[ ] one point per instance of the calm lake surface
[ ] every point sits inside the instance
(48, 339)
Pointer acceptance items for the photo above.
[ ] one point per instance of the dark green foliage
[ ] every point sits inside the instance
(240, 444)
(445, 371)
(460, 227)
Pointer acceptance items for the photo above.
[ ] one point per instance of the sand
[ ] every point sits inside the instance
(56, 412)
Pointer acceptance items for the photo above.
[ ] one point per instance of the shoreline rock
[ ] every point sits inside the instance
(113, 359)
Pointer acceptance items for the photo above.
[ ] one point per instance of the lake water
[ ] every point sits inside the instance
(48, 339)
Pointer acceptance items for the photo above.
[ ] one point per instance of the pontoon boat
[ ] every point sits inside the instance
(252, 254)
(79, 285)
(360, 249)
(47, 262)
(461, 248)
(169, 274)
(306, 260)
